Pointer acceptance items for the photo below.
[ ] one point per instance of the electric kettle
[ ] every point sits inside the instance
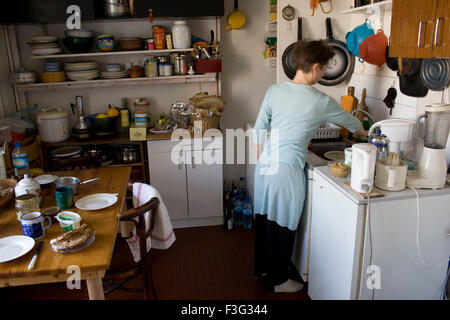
(364, 156)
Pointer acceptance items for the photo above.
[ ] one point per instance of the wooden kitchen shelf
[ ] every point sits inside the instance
(113, 53)
(208, 77)
(386, 5)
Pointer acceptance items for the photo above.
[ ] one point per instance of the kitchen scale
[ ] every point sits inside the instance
(431, 172)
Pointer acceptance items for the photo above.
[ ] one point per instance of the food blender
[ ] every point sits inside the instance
(431, 170)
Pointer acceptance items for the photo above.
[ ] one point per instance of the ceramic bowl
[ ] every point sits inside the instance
(105, 43)
(53, 76)
(78, 44)
(113, 67)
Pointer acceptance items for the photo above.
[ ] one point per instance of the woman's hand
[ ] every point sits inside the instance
(361, 134)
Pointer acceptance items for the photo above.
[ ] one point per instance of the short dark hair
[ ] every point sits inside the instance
(308, 52)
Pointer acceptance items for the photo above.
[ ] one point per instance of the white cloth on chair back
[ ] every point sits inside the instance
(162, 235)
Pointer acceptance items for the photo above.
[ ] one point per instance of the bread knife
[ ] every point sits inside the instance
(33, 260)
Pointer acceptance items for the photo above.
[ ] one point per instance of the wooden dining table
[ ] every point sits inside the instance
(91, 262)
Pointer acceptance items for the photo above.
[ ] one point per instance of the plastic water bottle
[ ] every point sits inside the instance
(247, 212)
(237, 212)
(241, 184)
(20, 161)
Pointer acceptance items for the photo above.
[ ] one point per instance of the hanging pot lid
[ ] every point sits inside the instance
(288, 13)
(435, 73)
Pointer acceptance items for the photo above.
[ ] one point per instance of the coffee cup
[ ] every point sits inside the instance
(64, 197)
(33, 224)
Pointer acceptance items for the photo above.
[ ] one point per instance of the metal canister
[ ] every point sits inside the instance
(163, 59)
(26, 203)
(151, 67)
(168, 69)
(381, 142)
(172, 57)
(181, 67)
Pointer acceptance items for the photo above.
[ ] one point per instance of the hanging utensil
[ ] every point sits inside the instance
(435, 73)
(288, 14)
(289, 66)
(236, 19)
(341, 65)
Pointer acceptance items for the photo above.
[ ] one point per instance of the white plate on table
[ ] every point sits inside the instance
(14, 247)
(45, 178)
(96, 201)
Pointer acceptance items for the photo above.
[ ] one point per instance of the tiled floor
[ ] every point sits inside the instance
(204, 263)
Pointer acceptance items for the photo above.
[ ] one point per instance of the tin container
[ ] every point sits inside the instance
(124, 117)
(26, 203)
(151, 67)
(181, 67)
(168, 69)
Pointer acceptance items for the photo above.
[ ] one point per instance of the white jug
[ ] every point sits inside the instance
(28, 185)
(364, 156)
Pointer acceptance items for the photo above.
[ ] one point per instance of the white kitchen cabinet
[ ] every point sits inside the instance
(349, 242)
(335, 236)
(192, 190)
(170, 180)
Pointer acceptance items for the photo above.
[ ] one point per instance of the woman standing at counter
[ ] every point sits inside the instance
(294, 110)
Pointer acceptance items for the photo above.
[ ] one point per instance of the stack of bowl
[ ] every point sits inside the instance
(113, 71)
(53, 72)
(78, 41)
(44, 45)
(130, 44)
(83, 70)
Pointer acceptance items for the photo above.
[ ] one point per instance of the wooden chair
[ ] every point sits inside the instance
(123, 265)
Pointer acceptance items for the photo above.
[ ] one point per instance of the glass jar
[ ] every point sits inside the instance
(26, 203)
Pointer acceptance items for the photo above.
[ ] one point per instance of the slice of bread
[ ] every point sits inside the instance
(71, 239)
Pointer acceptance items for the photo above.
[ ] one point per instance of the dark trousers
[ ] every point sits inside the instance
(273, 251)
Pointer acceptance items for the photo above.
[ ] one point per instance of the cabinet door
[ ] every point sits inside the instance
(170, 180)
(179, 8)
(204, 190)
(441, 41)
(412, 28)
(336, 236)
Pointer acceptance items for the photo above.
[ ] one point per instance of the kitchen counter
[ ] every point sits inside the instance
(407, 193)
(313, 160)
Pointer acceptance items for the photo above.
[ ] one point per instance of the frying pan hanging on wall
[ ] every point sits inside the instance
(288, 65)
(341, 65)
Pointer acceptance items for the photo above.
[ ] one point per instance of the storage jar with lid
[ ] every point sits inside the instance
(53, 124)
(26, 203)
(28, 186)
(181, 35)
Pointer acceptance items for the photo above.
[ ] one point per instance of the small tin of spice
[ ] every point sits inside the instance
(169, 41)
(181, 67)
(124, 117)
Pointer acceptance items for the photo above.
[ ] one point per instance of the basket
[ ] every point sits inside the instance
(208, 65)
(9, 196)
(206, 123)
(327, 131)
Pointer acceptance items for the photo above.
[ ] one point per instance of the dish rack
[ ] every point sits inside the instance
(327, 131)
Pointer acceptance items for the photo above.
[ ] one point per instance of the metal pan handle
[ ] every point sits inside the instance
(90, 180)
(329, 29)
(299, 29)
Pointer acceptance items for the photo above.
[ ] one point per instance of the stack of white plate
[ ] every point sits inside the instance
(83, 70)
(114, 74)
(45, 45)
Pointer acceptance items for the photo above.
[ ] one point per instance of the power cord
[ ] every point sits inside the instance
(444, 294)
(366, 189)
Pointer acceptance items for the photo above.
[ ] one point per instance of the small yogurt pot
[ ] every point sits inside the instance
(348, 157)
(68, 220)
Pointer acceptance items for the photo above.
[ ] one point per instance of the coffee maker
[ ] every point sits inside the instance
(81, 130)
(431, 169)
